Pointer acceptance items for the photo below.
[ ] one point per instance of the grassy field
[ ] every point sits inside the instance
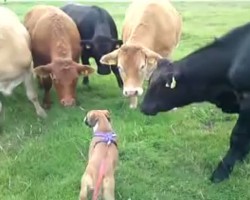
(170, 156)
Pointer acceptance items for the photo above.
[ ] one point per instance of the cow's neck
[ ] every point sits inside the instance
(207, 71)
(142, 35)
(209, 64)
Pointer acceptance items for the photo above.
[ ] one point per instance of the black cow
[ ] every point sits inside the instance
(99, 36)
(218, 73)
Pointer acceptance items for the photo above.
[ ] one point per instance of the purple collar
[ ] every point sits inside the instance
(108, 137)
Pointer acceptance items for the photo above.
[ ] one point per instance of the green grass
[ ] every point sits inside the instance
(170, 156)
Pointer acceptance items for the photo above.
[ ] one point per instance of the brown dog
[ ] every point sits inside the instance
(103, 157)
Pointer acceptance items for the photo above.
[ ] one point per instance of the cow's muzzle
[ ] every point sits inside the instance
(148, 110)
(130, 92)
(68, 102)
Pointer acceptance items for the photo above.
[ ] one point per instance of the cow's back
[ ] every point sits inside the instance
(53, 29)
(14, 43)
(163, 21)
(87, 18)
(33, 16)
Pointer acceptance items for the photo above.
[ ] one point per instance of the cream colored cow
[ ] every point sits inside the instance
(151, 30)
(15, 58)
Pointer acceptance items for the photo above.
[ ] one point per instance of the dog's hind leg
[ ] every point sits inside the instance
(86, 184)
(109, 188)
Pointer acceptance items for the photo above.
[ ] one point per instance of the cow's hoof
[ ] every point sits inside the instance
(132, 106)
(41, 113)
(219, 175)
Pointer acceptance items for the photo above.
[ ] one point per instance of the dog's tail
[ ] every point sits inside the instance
(101, 173)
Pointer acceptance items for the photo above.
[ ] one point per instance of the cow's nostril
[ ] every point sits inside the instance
(62, 101)
(130, 93)
(68, 102)
(125, 93)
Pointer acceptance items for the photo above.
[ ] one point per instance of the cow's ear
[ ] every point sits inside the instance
(110, 58)
(149, 72)
(172, 83)
(43, 70)
(151, 56)
(151, 60)
(86, 44)
(84, 69)
(172, 79)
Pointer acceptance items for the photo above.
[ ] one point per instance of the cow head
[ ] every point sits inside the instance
(167, 89)
(64, 74)
(99, 46)
(135, 63)
(170, 87)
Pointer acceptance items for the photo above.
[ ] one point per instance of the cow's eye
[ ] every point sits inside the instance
(143, 66)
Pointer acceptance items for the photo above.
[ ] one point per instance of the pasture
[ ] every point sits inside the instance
(169, 156)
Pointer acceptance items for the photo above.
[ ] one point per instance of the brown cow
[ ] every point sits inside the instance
(15, 58)
(56, 51)
(151, 30)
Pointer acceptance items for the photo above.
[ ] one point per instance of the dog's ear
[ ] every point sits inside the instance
(90, 119)
(107, 114)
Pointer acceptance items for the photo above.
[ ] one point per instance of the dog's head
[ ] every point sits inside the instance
(93, 116)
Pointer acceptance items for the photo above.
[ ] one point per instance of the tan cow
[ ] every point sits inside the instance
(56, 51)
(15, 58)
(151, 30)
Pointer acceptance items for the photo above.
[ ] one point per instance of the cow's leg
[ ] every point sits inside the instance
(239, 72)
(117, 75)
(40, 84)
(35, 64)
(240, 138)
(1, 107)
(85, 61)
(133, 102)
(47, 84)
(32, 94)
(239, 144)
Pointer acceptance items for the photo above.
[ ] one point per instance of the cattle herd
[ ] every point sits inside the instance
(51, 41)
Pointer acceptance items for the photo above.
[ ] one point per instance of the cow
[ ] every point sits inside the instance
(98, 36)
(217, 73)
(151, 30)
(56, 52)
(16, 60)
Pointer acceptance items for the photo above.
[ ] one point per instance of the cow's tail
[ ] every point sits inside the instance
(100, 176)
